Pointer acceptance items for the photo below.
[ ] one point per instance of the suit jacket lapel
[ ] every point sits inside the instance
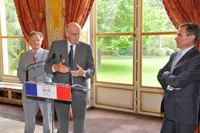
(65, 54)
(185, 57)
(30, 56)
(172, 58)
(40, 55)
(76, 56)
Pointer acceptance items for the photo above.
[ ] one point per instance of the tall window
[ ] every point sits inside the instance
(114, 41)
(158, 42)
(115, 48)
(12, 41)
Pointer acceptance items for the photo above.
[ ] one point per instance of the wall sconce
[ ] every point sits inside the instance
(41, 14)
(63, 12)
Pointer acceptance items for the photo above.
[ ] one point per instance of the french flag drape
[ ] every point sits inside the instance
(48, 91)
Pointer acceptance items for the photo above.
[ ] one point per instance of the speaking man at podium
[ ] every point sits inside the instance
(36, 73)
(74, 55)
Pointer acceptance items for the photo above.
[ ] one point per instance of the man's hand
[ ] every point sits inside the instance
(61, 68)
(175, 88)
(78, 73)
(165, 75)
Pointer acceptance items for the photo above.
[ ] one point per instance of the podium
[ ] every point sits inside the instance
(58, 91)
(49, 90)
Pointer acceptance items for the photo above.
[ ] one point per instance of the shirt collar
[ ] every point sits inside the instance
(69, 44)
(37, 52)
(186, 50)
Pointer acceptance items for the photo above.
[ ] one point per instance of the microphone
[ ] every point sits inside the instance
(60, 58)
(48, 60)
(52, 57)
(70, 74)
(79, 89)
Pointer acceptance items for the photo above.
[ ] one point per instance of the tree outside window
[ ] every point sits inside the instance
(12, 41)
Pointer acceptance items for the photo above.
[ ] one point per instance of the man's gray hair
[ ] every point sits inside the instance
(192, 29)
(36, 33)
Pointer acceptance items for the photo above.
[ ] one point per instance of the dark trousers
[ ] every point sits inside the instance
(78, 110)
(169, 126)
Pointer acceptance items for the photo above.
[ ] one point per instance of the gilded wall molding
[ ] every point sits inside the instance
(56, 20)
(57, 34)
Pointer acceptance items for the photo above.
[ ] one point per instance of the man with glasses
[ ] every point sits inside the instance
(180, 80)
(36, 73)
(76, 57)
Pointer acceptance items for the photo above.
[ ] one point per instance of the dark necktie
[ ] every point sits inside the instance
(71, 57)
(70, 64)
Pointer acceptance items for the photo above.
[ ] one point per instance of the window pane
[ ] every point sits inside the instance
(114, 16)
(12, 48)
(156, 52)
(155, 18)
(84, 33)
(9, 22)
(115, 59)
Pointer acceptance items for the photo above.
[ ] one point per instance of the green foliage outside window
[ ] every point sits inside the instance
(155, 19)
(116, 16)
(15, 45)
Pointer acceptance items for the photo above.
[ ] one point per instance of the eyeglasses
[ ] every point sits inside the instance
(74, 34)
(36, 40)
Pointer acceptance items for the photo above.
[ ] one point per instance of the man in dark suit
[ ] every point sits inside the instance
(82, 68)
(180, 79)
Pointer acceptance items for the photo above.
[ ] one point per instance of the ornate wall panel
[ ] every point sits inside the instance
(4, 93)
(16, 95)
(116, 97)
(55, 12)
(150, 101)
(11, 93)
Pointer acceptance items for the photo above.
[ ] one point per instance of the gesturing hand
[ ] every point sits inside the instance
(78, 73)
(61, 68)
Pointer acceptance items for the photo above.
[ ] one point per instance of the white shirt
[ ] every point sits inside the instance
(74, 48)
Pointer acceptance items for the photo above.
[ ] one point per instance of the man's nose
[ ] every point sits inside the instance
(77, 36)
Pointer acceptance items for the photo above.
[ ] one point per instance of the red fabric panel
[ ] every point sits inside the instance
(183, 11)
(64, 93)
(28, 15)
(77, 11)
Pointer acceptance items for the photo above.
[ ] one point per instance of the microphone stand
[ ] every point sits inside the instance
(71, 78)
(52, 57)
(70, 74)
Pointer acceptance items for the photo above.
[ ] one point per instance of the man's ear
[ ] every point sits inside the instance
(192, 37)
(66, 34)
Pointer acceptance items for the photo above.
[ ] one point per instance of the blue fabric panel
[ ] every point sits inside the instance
(31, 89)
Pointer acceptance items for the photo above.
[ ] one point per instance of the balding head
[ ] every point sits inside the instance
(72, 32)
(72, 24)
